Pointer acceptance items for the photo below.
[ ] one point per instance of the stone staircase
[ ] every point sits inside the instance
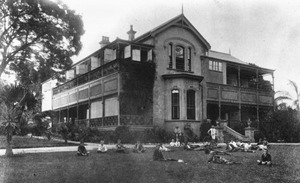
(227, 137)
(228, 134)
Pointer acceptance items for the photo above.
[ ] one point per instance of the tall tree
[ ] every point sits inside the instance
(35, 29)
(286, 95)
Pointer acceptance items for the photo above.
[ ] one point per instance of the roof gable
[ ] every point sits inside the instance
(179, 20)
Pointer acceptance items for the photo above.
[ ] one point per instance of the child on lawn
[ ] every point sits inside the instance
(138, 147)
(120, 148)
(172, 143)
(208, 150)
(158, 155)
(247, 147)
(266, 158)
(102, 148)
(81, 151)
(221, 160)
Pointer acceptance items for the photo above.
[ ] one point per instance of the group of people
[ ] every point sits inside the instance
(215, 155)
(247, 146)
(120, 148)
(266, 159)
(233, 146)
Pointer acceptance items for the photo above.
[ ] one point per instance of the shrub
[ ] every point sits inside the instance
(123, 133)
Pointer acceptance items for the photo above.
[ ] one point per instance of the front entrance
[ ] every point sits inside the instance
(213, 113)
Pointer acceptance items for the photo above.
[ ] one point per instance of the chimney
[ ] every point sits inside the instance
(104, 41)
(131, 33)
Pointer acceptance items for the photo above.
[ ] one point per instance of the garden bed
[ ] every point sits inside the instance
(31, 142)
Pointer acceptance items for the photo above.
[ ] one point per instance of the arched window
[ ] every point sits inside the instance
(191, 107)
(175, 104)
(170, 50)
(189, 54)
(179, 52)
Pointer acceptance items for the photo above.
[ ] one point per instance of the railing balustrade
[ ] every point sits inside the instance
(97, 73)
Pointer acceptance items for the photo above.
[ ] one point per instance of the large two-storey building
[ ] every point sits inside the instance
(166, 77)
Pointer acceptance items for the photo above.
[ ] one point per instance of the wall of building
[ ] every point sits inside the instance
(162, 89)
(136, 92)
(213, 76)
(47, 94)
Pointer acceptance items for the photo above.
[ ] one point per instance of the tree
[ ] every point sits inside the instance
(294, 97)
(282, 125)
(16, 104)
(41, 32)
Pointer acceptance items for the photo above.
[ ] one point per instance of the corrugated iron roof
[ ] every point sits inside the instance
(225, 57)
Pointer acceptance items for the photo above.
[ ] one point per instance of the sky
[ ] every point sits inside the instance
(263, 32)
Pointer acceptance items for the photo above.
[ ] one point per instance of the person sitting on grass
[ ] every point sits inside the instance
(172, 143)
(178, 143)
(265, 158)
(120, 148)
(208, 150)
(138, 147)
(164, 148)
(102, 148)
(262, 144)
(232, 146)
(158, 155)
(247, 147)
(221, 160)
(81, 151)
(192, 147)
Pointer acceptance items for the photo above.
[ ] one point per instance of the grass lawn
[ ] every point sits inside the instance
(112, 167)
(28, 142)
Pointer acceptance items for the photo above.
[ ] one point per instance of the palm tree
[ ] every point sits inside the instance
(287, 96)
(13, 107)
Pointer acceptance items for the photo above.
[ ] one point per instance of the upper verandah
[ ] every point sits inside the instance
(227, 57)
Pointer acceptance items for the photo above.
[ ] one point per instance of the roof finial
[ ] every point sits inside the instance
(182, 8)
(229, 51)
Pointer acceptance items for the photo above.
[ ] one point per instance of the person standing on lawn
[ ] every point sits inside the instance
(177, 132)
(81, 151)
(212, 132)
(266, 158)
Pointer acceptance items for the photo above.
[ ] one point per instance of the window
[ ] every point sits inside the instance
(189, 59)
(170, 55)
(136, 54)
(190, 97)
(179, 52)
(127, 51)
(111, 107)
(175, 104)
(215, 66)
(109, 55)
(95, 62)
(96, 109)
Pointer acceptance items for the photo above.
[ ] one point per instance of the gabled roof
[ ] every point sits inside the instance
(178, 20)
(225, 57)
(229, 58)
